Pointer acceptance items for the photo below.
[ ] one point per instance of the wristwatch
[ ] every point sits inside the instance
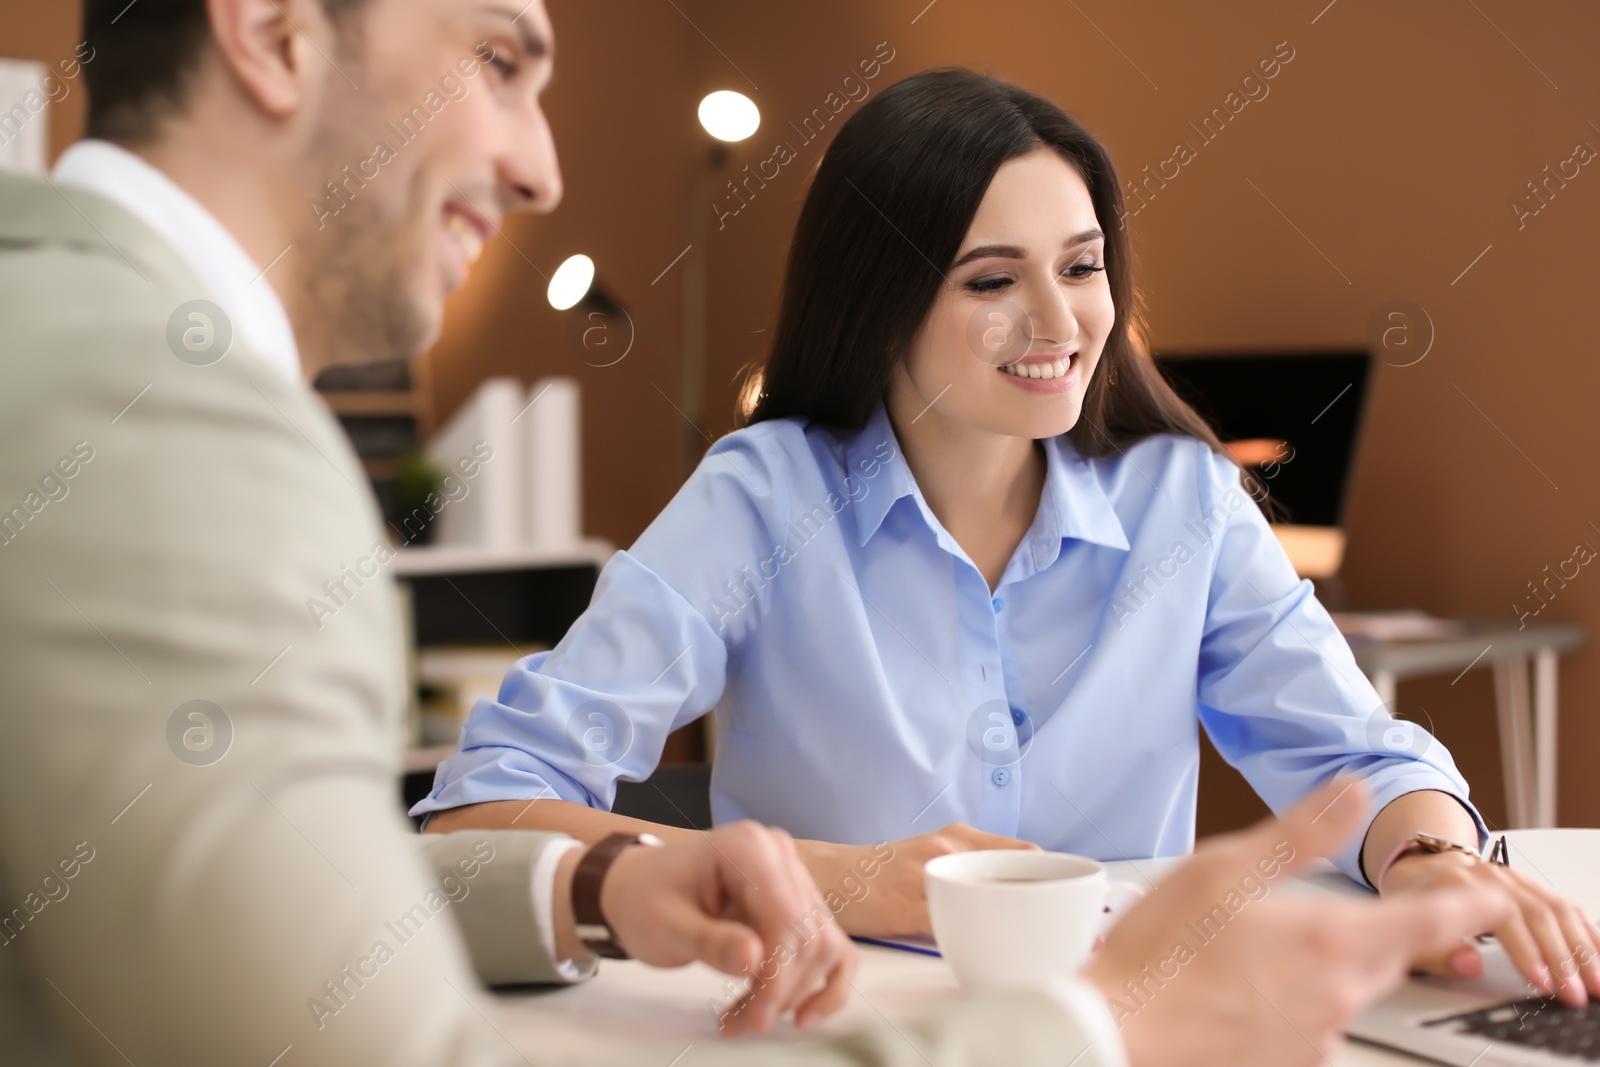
(593, 930)
(1421, 842)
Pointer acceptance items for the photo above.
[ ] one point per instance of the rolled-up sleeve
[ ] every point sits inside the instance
(647, 656)
(1280, 693)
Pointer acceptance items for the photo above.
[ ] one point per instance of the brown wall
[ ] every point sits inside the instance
(1389, 147)
(48, 34)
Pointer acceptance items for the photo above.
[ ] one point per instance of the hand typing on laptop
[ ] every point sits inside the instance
(1279, 983)
(1549, 938)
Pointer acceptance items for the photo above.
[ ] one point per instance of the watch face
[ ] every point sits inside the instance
(1429, 843)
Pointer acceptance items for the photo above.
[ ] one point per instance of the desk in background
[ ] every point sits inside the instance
(1524, 664)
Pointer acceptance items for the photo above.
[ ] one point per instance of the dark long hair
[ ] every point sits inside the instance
(891, 201)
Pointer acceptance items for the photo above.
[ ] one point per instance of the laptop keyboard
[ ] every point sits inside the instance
(1536, 1023)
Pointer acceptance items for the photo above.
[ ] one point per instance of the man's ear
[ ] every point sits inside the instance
(275, 49)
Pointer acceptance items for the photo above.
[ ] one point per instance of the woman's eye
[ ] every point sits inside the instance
(988, 285)
(1083, 270)
(503, 60)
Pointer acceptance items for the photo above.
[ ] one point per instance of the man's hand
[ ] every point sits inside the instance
(1208, 969)
(891, 900)
(736, 898)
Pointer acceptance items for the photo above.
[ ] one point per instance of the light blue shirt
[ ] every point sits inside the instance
(869, 686)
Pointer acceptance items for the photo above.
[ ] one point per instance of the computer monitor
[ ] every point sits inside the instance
(1294, 419)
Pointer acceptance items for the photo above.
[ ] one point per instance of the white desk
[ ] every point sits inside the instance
(636, 1014)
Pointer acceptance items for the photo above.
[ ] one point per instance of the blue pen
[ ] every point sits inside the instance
(902, 946)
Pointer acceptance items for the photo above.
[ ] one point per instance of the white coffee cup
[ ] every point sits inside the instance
(1014, 917)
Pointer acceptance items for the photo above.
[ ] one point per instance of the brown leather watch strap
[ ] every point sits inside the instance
(593, 930)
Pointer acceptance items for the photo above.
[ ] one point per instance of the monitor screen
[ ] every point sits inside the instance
(1293, 418)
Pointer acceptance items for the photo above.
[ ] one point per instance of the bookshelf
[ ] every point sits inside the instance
(386, 410)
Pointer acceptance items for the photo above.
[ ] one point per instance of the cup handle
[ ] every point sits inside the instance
(1113, 887)
(1133, 889)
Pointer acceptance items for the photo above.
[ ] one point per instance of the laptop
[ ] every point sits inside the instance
(1486, 1022)
(1491, 1021)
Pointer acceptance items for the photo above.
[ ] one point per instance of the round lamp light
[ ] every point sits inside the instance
(729, 116)
(571, 281)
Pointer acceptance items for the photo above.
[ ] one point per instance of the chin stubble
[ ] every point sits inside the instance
(354, 291)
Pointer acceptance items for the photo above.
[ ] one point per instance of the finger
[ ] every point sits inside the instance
(821, 943)
(1320, 824)
(982, 840)
(839, 960)
(831, 960)
(1518, 941)
(1554, 951)
(736, 1020)
(755, 872)
(754, 875)
(691, 935)
(809, 955)
(835, 993)
(1588, 955)
(1417, 926)
(810, 943)
(1316, 826)
(970, 838)
(1582, 959)
(1461, 960)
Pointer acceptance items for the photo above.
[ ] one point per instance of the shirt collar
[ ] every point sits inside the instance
(232, 279)
(1074, 503)
(872, 455)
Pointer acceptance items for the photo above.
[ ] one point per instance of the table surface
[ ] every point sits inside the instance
(633, 1013)
(1433, 654)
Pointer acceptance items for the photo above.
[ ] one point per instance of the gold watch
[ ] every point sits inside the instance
(1421, 842)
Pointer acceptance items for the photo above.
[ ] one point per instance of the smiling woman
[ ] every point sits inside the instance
(906, 212)
(1057, 580)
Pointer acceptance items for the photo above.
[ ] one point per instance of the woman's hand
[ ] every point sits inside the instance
(1278, 984)
(878, 890)
(1550, 939)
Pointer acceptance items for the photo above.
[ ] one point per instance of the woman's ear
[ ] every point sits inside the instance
(276, 50)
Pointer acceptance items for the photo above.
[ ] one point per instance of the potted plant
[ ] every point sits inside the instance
(414, 498)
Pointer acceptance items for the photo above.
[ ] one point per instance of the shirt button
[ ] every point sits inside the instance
(1017, 716)
(1001, 776)
(999, 603)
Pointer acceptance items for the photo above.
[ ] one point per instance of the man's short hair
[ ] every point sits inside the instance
(144, 55)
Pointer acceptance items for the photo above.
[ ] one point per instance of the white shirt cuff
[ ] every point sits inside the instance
(544, 892)
(1086, 1005)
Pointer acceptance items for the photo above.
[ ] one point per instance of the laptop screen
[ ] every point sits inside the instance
(1294, 416)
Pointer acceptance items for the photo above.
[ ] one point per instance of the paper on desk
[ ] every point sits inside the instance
(1395, 625)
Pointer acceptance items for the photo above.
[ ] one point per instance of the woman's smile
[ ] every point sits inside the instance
(1044, 374)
